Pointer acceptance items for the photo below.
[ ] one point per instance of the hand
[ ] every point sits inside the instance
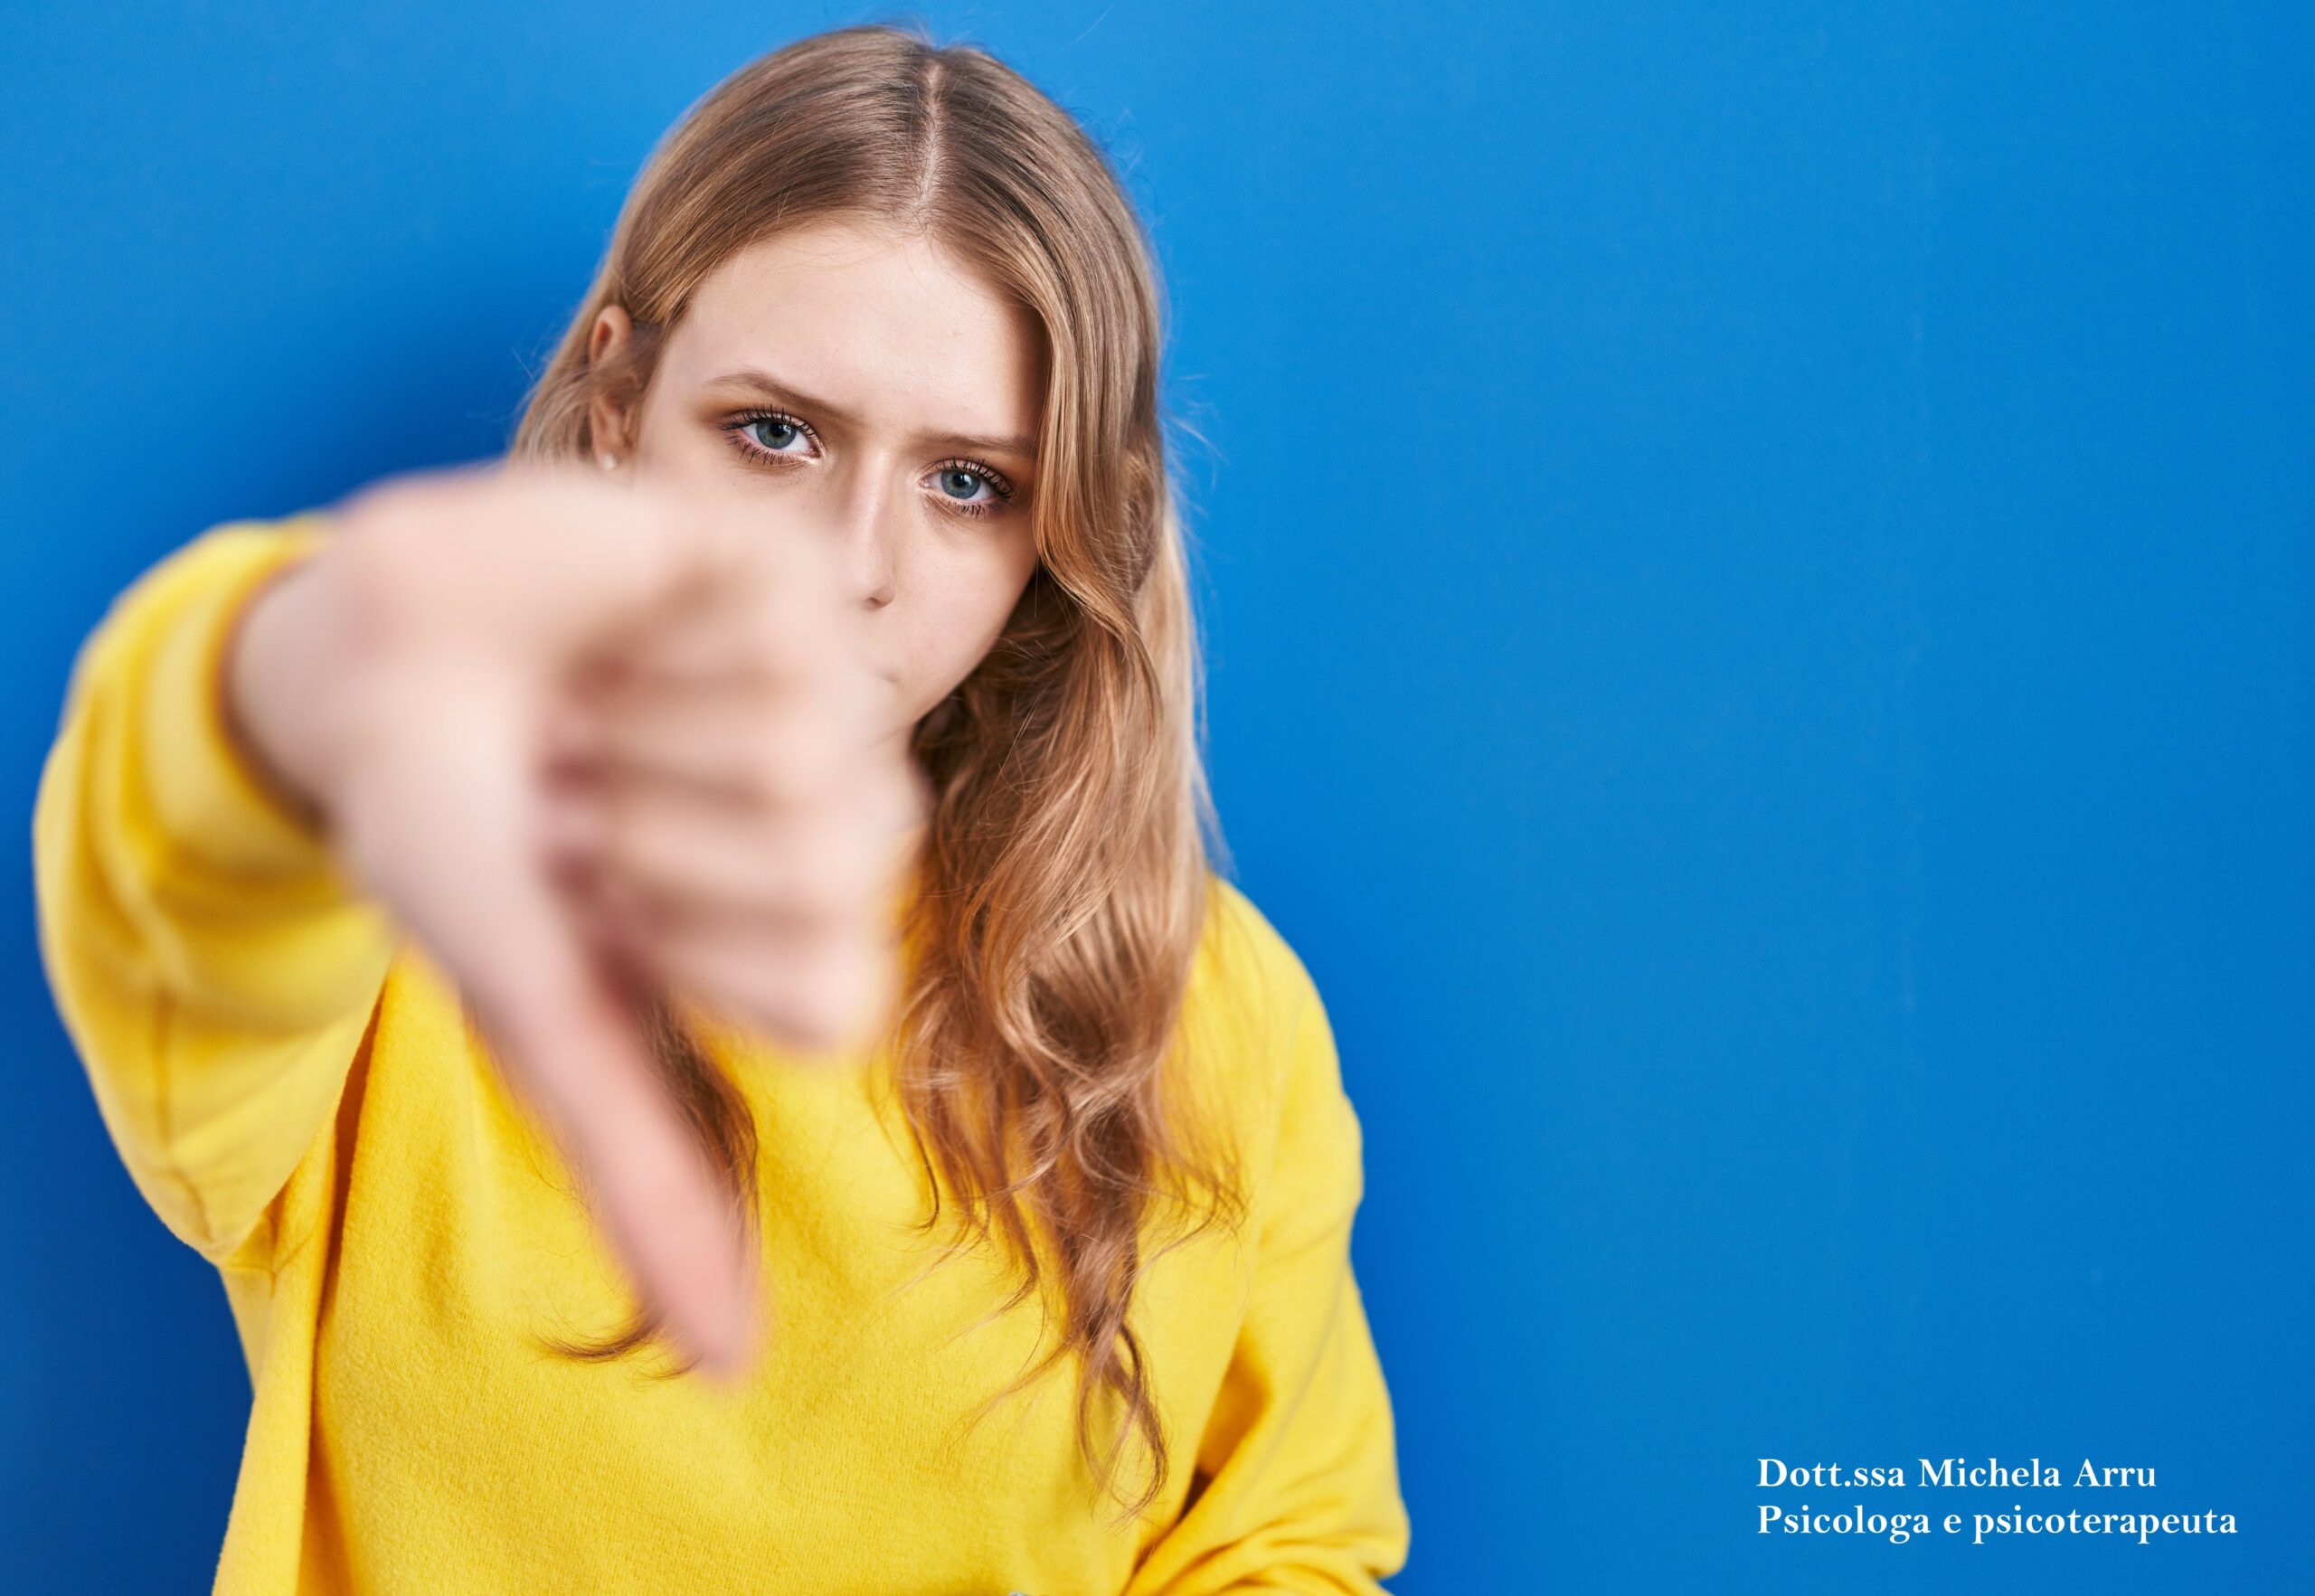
(732, 808)
(400, 682)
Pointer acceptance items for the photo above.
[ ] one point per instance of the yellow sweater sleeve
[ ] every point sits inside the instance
(212, 966)
(1298, 1459)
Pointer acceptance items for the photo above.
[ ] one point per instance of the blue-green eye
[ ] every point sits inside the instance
(965, 487)
(961, 484)
(774, 433)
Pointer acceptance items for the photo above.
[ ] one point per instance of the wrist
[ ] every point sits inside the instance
(271, 678)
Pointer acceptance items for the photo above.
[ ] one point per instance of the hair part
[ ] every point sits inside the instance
(1063, 885)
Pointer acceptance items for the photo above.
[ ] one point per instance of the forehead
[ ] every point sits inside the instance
(886, 323)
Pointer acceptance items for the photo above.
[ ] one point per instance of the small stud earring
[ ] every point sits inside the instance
(611, 462)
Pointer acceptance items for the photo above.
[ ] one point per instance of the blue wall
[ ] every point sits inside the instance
(1758, 569)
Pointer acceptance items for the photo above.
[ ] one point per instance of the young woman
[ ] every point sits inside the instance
(679, 980)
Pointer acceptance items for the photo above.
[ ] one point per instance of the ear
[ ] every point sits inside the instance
(607, 417)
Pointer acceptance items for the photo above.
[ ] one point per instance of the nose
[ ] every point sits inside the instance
(867, 524)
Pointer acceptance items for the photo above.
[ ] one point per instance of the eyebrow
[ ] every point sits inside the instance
(755, 380)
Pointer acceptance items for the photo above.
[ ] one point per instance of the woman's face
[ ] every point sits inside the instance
(864, 380)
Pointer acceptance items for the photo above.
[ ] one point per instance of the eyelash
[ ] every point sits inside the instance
(736, 429)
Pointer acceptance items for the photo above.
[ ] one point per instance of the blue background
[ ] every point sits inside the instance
(1758, 566)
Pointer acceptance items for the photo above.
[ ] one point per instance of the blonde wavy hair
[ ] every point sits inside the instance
(1068, 861)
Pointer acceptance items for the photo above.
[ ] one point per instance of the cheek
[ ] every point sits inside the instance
(960, 603)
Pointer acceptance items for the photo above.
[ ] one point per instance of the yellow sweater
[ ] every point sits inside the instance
(291, 1086)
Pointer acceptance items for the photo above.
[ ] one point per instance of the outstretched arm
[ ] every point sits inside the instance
(212, 966)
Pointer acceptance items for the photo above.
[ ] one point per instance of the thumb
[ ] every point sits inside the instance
(574, 1047)
(476, 892)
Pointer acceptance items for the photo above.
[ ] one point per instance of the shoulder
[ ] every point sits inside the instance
(1241, 937)
(1261, 1039)
(1252, 1007)
(1245, 957)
